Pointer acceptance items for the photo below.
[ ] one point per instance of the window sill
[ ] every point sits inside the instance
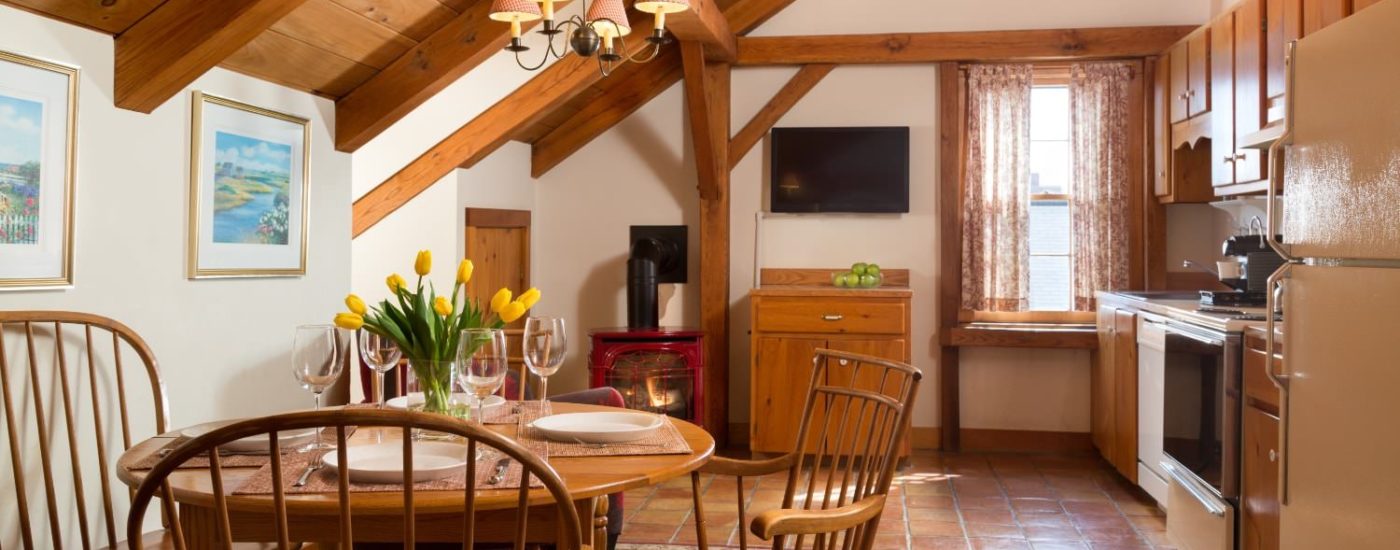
(1024, 335)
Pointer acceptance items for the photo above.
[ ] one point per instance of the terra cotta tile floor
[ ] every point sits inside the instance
(940, 500)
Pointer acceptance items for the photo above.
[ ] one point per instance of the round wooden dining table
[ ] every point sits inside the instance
(378, 516)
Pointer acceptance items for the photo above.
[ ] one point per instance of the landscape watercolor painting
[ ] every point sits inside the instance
(252, 183)
(21, 154)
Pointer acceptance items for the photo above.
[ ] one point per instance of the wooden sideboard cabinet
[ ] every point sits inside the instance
(1259, 498)
(790, 322)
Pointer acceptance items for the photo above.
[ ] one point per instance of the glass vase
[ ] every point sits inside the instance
(435, 380)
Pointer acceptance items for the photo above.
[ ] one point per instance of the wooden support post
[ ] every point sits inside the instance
(707, 102)
(951, 114)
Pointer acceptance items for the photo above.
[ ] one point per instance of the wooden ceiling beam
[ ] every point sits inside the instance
(782, 102)
(631, 91)
(485, 133)
(706, 24)
(182, 39)
(1049, 44)
(632, 87)
(451, 52)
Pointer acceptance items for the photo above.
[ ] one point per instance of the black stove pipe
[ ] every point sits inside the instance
(643, 305)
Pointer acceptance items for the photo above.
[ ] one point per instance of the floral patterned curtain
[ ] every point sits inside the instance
(1099, 189)
(996, 201)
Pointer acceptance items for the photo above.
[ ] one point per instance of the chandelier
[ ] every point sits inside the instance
(600, 31)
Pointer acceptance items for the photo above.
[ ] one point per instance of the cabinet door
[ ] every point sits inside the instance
(1259, 516)
(1249, 90)
(1318, 14)
(782, 373)
(1358, 5)
(1101, 387)
(1125, 374)
(1198, 73)
(1177, 62)
(1222, 93)
(1161, 127)
(1285, 24)
(858, 421)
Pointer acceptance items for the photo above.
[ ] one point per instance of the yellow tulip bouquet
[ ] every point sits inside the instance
(427, 327)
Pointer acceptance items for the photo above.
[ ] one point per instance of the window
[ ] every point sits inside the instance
(1050, 237)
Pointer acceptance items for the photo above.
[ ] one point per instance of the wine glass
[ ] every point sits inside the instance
(481, 354)
(317, 351)
(382, 354)
(544, 345)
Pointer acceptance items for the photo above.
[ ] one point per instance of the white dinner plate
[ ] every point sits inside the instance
(416, 398)
(289, 440)
(598, 427)
(383, 463)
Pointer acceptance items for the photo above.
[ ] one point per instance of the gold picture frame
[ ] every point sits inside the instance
(29, 258)
(241, 157)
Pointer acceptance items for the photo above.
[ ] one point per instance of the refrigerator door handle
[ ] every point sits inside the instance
(1280, 380)
(1276, 157)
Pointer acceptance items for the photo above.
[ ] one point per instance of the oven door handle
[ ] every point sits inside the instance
(1212, 505)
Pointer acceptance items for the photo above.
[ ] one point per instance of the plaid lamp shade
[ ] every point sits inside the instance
(515, 10)
(662, 6)
(612, 10)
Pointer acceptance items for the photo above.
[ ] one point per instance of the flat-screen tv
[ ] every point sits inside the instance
(840, 170)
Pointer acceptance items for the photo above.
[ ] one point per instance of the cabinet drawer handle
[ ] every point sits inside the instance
(1241, 156)
(1273, 455)
(833, 317)
(1183, 96)
(1230, 158)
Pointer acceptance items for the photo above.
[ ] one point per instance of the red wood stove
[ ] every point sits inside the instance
(656, 369)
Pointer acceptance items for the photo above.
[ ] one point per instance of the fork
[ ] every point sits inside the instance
(316, 464)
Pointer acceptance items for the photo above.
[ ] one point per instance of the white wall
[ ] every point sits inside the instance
(223, 345)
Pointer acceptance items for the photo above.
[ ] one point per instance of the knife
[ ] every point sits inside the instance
(500, 474)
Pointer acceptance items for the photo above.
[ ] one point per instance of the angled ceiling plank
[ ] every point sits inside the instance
(630, 93)
(177, 42)
(706, 24)
(782, 102)
(451, 52)
(651, 79)
(485, 133)
(1049, 44)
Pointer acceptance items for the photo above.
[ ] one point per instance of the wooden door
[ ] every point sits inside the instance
(1222, 93)
(1198, 72)
(1259, 517)
(1125, 382)
(1177, 61)
(1285, 24)
(1101, 387)
(1249, 88)
(782, 373)
(1161, 127)
(868, 379)
(1318, 14)
(498, 243)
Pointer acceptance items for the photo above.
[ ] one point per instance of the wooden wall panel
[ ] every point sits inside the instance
(416, 19)
(111, 17)
(342, 32)
(293, 63)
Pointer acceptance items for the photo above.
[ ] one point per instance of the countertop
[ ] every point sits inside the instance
(831, 291)
(1184, 310)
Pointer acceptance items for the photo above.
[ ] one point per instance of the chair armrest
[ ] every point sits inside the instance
(811, 522)
(746, 468)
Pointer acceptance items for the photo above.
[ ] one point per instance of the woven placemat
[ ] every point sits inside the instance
(227, 460)
(665, 441)
(512, 412)
(325, 479)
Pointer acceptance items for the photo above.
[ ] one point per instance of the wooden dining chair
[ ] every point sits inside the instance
(855, 420)
(43, 353)
(570, 534)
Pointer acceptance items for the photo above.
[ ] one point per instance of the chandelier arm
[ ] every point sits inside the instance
(537, 67)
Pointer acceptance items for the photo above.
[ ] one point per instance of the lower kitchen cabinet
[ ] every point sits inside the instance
(1259, 491)
(1114, 391)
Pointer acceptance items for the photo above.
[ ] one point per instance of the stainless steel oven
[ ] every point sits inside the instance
(1200, 433)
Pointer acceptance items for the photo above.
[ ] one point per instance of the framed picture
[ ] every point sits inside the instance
(249, 190)
(38, 116)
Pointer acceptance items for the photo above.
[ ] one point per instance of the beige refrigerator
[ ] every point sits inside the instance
(1340, 222)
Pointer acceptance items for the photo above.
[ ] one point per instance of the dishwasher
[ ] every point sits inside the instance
(1152, 357)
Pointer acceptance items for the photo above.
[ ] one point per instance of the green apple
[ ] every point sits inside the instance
(836, 279)
(869, 281)
(844, 280)
(872, 269)
(859, 268)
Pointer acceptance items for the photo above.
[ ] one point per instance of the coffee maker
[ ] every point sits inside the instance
(1257, 262)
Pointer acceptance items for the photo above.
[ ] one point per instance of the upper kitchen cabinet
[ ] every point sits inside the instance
(1222, 91)
(1318, 14)
(1184, 127)
(1190, 76)
(1358, 5)
(1289, 20)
